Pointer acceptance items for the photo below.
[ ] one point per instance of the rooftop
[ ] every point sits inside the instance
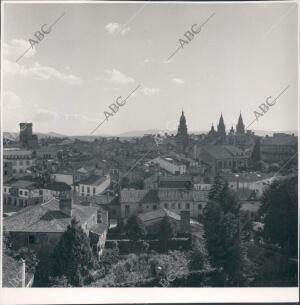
(46, 217)
(223, 151)
(57, 186)
(158, 214)
(93, 180)
(12, 272)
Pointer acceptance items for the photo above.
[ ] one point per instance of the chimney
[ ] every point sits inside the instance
(185, 221)
(65, 203)
(23, 273)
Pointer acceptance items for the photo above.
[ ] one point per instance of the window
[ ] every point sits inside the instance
(127, 210)
(187, 206)
(5, 164)
(166, 206)
(21, 192)
(20, 202)
(179, 205)
(15, 202)
(88, 189)
(14, 162)
(4, 189)
(199, 207)
(14, 171)
(31, 239)
(27, 162)
(5, 173)
(94, 190)
(41, 192)
(173, 205)
(82, 189)
(21, 162)
(25, 203)
(154, 207)
(25, 193)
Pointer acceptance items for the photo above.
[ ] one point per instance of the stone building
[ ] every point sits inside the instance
(41, 226)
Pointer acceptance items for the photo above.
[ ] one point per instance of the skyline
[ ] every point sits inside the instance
(76, 72)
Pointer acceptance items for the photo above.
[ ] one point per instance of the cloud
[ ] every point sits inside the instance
(149, 91)
(39, 72)
(178, 81)
(145, 61)
(16, 47)
(44, 115)
(11, 101)
(114, 28)
(117, 77)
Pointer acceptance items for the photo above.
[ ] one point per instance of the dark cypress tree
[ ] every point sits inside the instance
(166, 232)
(135, 229)
(216, 187)
(255, 156)
(73, 256)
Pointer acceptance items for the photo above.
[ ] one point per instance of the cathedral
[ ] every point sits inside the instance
(238, 137)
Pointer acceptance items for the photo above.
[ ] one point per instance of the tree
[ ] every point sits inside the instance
(73, 256)
(196, 260)
(216, 187)
(255, 156)
(223, 227)
(280, 211)
(166, 232)
(135, 228)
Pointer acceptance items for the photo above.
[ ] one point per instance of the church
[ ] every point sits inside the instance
(238, 137)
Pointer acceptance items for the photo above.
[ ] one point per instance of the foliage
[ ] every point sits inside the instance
(256, 156)
(216, 187)
(73, 256)
(135, 228)
(223, 233)
(196, 260)
(166, 232)
(30, 257)
(280, 210)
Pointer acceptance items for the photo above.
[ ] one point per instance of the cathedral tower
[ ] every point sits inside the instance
(240, 127)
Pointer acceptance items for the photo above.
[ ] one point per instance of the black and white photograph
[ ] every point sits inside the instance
(149, 145)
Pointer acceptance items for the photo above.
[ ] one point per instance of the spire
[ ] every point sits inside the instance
(240, 127)
(182, 132)
(221, 126)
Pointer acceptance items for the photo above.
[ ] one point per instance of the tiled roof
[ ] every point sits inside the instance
(46, 217)
(132, 195)
(93, 180)
(223, 151)
(158, 214)
(21, 183)
(12, 272)
(57, 186)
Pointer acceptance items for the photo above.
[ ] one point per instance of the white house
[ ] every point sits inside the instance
(93, 185)
(170, 165)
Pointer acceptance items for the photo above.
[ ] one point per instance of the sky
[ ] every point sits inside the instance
(98, 53)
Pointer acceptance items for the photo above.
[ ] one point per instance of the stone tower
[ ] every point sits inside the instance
(182, 137)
